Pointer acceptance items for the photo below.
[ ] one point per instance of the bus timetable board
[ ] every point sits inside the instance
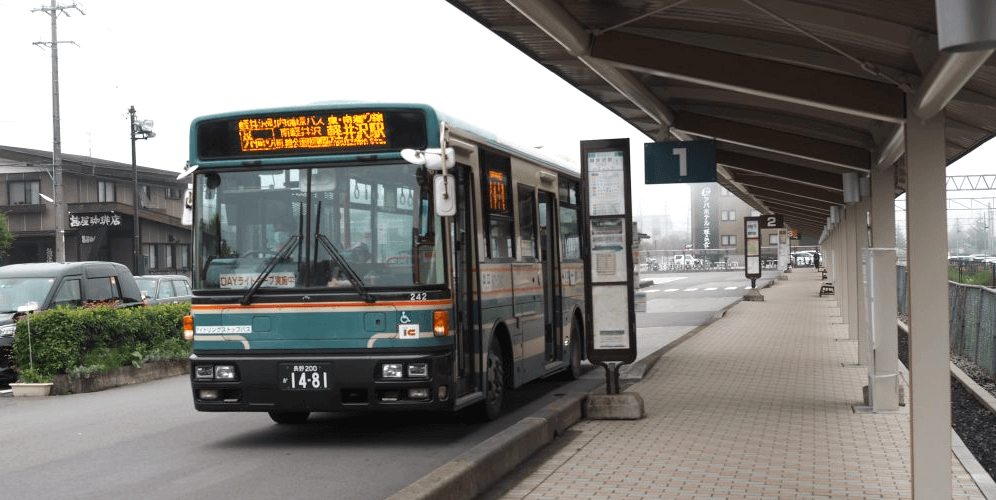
(608, 233)
(311, 132)
(752, 249)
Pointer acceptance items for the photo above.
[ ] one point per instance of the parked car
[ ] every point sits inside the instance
(164, 288)
(686, 262)
(802, 259)
(46, 285)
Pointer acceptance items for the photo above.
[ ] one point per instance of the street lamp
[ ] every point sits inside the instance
(140, 129)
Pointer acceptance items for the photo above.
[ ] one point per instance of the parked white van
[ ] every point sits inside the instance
(685, 261)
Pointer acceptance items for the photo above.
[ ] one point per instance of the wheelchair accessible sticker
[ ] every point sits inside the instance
(407, 329)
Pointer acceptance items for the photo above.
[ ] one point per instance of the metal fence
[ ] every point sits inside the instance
(972, 320)
(973, 324)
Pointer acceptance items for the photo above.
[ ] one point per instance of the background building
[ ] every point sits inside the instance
(714, 233)
(99, 196)
(717, 223)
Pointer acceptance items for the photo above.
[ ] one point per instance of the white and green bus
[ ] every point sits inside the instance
(379, 257)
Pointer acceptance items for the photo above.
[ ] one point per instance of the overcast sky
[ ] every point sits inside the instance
(180, 59)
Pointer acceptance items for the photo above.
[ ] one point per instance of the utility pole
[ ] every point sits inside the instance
(61, 214)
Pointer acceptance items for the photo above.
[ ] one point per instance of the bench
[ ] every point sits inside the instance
(826, 289)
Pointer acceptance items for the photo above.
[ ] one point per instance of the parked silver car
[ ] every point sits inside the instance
(164, 288)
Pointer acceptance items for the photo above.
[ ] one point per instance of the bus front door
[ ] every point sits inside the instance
(465, 305)
(548, 257)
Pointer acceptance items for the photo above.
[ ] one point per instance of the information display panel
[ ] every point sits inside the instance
(752, 248)
(611, 337)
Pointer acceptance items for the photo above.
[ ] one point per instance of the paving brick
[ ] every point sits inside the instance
(756, 405)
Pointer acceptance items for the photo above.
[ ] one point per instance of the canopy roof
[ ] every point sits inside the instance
(795, 93)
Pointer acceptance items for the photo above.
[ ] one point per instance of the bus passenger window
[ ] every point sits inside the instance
(527, 222)
(500, 240)
(570, 231)
(498, 205)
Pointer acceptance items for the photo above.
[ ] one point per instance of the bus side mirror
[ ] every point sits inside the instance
(444, 194)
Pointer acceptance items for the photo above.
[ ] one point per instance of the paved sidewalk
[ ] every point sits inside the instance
(756, 405)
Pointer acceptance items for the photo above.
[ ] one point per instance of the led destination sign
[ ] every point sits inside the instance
(311, 132)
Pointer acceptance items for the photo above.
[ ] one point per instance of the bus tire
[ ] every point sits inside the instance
(573, 371)
(289, 417)
(494, 394)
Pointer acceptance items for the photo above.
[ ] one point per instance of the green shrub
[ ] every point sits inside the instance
(100, 339)
(30, 376)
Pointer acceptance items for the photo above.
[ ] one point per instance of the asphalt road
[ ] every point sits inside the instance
(146, 441)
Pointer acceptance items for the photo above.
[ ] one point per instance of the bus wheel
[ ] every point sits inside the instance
(491, 407)
(574, 370)
(289, 417)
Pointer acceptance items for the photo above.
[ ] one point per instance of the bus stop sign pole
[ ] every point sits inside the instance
(609, 295)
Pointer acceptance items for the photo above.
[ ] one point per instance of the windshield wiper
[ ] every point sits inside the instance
(270, 264)
(350, 273)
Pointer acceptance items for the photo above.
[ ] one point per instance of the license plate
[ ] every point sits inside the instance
(305, 376)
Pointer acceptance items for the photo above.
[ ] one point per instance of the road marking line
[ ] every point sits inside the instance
(691, 289)
(731, 288)
(661, 281)
(710, 289)
(671, 290)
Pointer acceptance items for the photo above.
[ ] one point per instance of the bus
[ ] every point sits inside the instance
(377, 257)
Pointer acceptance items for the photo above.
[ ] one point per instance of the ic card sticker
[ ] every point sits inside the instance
(408, 331)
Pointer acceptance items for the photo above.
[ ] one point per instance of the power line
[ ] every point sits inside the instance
(61, 214)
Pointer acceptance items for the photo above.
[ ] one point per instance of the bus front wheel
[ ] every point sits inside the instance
(574, 369)
(289, 417)
(493, 398)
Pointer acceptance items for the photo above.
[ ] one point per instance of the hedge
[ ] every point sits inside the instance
(61, 337)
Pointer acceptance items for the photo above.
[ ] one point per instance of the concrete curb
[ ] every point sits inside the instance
(127, 375)
(480, 467)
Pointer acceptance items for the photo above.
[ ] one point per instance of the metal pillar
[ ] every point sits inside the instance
(930, 391)
(139, 130)
(861, 312)
(859, 232)
(883, 374)
(135, 201)
(852, 261)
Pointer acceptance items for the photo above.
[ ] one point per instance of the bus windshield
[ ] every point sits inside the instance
(356, 227)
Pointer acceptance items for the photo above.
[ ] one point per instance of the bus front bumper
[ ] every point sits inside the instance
(322, 383)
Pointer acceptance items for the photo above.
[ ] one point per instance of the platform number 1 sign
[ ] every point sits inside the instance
(679, 162)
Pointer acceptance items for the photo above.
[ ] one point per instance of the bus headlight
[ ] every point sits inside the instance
(224, 372)
(418, 393)
(391, 370)
(209, 394)
(418, 370)
(204, 372)
(7, 330)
